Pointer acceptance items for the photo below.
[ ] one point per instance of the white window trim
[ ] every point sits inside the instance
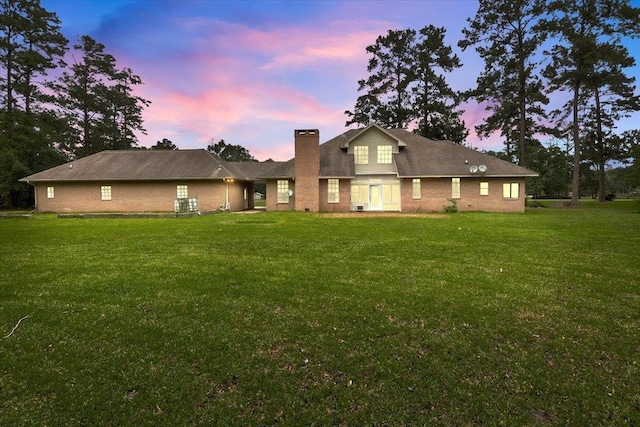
(105, 192)
(455, 188)
(333, 190)
(385, 157)
(182, 191)
(508, 190)
(51, 192)
(361, 154)
(484, 191)
(416, 189)
(282, 191)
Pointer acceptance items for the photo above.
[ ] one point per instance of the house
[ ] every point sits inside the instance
(144, 181)
(370, 169)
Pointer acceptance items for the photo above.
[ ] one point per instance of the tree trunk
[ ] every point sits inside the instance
(575, 184)
(523, 101)
(600, 150)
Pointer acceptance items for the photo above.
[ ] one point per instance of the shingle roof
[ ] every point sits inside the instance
(423, 157)
(418, 157)
(131, 165)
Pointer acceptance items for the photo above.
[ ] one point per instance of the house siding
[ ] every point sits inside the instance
(373, 139)
(436, 193)
(344, 194)
(131, 196)
(272, 197)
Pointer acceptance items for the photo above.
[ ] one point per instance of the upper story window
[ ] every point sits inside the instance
(182, 192)
(384, 154)
(510, 190)
(455, 188)
(283, 190)
(361, 154)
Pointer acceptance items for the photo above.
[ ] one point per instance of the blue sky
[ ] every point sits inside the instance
(250, 72)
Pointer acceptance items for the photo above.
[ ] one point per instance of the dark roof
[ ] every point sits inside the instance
(423, 157)
(418, 157)
(253, 171)
(129, 165)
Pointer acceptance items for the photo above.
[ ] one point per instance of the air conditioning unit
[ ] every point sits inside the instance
(359, 208)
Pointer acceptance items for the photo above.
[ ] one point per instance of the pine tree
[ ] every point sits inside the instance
(506, 35)
(435, 103)
(387, 100)
(31, 44)
(590, 33)
(98, 103)
(405, 89)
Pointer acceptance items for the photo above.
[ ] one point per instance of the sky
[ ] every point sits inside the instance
(251, 72)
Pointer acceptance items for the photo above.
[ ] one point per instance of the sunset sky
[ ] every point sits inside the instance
(250, 72)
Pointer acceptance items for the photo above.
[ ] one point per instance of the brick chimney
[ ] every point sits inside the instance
(307, 170)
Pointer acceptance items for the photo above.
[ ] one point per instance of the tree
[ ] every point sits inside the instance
(587, 30)
(124, 115)
(613, 97)
(388, 98)
(165, 144)
(435, 103)
(230, 152)
(507, 37)
(98, 103)
(31, 44)
(404, 87)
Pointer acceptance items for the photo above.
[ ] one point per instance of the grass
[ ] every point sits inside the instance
(302, 319)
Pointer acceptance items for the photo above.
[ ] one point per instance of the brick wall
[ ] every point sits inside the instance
(436, 191)
(272, 197)
(345, 197)
(307, 170)
(132, 196)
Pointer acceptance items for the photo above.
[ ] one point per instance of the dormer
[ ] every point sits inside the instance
(373, 151)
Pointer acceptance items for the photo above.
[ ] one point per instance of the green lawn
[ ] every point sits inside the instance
(298, 318)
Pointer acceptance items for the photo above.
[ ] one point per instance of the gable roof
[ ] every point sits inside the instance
(129, 165)
(419, 157)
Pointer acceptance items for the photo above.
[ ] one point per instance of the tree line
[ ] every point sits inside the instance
(532, 50)
(57, 101)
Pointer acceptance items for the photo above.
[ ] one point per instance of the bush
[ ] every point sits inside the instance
(452, 208)
(530, 203)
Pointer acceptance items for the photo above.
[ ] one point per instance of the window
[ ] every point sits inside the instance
(182, 192)
(455, 188)
(359, 193)
(484, 188)
(390, 193)
(384, 154)
(333, 191)
(50, 192)
(283, 190)
(417, 192)
(510, 190)
(105, 192)
(361, 154)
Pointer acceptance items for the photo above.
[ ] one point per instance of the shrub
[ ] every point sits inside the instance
(452, 208)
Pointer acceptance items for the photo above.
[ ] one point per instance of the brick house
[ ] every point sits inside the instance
(376, 169)
(370, 169)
